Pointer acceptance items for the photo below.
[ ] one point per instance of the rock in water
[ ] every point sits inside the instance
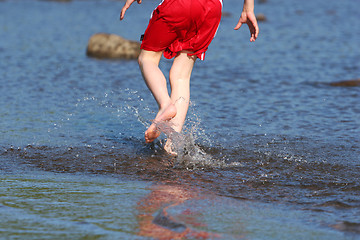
(261, 17)
(346, 83)
(111, 46)
(57, 0)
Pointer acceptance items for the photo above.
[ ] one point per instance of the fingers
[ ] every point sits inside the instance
(126, 7)
(249, 19)
(254, 31)
(254, 28)
(242, 20)
(255, 34)
(122, 14)
(238, 25)
(123, 10)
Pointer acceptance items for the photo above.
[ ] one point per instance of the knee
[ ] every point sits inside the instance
(140, 59)
(149, 57)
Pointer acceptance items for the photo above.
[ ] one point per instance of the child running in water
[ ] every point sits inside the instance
(182, 29)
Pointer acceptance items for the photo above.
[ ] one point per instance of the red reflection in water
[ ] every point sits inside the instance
(155, 221)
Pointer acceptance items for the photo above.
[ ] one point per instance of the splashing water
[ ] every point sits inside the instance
(113, 117)
(189, 154)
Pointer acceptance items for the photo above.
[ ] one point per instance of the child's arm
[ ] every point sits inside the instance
(248, 17)
(126, 6)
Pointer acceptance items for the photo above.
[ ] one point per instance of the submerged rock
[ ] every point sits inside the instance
(225, 14)
(261, 17)
(346, 83)
(164, 220)
(57, 0)
(111, 46)
(347, 227)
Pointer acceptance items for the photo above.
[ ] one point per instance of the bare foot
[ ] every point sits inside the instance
(163, 115)
(169, 148)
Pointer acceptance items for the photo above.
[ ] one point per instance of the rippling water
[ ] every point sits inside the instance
(270, 149)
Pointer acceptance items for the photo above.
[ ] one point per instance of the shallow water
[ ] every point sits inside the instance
(270, 150)
(39, 205)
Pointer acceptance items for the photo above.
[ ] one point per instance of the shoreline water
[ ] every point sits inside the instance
(61, 205)
(242, 182)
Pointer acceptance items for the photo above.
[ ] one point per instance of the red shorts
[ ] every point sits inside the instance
(178, 25)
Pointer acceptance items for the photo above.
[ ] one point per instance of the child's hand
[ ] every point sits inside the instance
(126, 6)
(249, 19)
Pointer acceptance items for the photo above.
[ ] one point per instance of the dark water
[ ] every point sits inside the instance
(270, 146)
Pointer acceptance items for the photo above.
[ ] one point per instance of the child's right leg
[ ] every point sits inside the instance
(180, 74)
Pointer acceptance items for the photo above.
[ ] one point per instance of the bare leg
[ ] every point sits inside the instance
(156, 82)
(180, 74)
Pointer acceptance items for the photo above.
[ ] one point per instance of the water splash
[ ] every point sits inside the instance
(189, 154)
(117, 116)
(91, 119)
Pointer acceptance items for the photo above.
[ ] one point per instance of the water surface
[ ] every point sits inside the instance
(270, 148)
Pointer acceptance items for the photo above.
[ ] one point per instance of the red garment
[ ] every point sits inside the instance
(178, 25)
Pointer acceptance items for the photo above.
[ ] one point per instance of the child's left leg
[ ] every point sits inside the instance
(156, 82)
